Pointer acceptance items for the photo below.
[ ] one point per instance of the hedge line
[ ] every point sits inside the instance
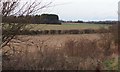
(53, 32)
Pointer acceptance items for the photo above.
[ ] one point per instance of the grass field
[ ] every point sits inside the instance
(67, 26)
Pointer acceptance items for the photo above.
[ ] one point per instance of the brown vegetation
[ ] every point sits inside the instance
(65, 52)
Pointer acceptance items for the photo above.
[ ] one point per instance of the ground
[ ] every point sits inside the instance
(28, 46)
(67, 26)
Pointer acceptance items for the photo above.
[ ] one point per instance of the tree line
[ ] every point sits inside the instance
(91, 22)
(102, 22)
(32, 19)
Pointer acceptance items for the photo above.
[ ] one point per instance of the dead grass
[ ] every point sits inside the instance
(57, 52)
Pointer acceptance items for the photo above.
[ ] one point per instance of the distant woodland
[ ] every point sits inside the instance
(35, 19)
(46, 19)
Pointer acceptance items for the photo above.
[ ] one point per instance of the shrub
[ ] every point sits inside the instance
(114, 29)
(73, 31)
(102, 30)
(83, 48)
(52, 31)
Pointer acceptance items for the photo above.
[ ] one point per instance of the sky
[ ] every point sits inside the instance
(87, 10)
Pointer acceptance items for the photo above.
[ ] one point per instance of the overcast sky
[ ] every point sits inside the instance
(84, 9)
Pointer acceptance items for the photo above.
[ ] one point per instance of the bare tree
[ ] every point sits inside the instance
(18, 8)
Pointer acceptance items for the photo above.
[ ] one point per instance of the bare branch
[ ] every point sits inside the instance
(12, 7)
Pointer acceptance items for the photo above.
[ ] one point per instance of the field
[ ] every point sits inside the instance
(58, 52)
(67, 26)
(61, 52)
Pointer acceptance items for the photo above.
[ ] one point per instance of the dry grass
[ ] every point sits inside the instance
(92, 53)
(67, 26)
(58, 52)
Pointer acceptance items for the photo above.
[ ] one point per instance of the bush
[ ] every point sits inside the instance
(83, 48)
(43, 59)
(114, 29)
(87, 50)
(88, 31)
(73, 31)
(102, 30)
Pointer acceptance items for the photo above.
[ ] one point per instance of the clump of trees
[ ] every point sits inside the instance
(115, 31)
(32, 19)
(49, 19)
